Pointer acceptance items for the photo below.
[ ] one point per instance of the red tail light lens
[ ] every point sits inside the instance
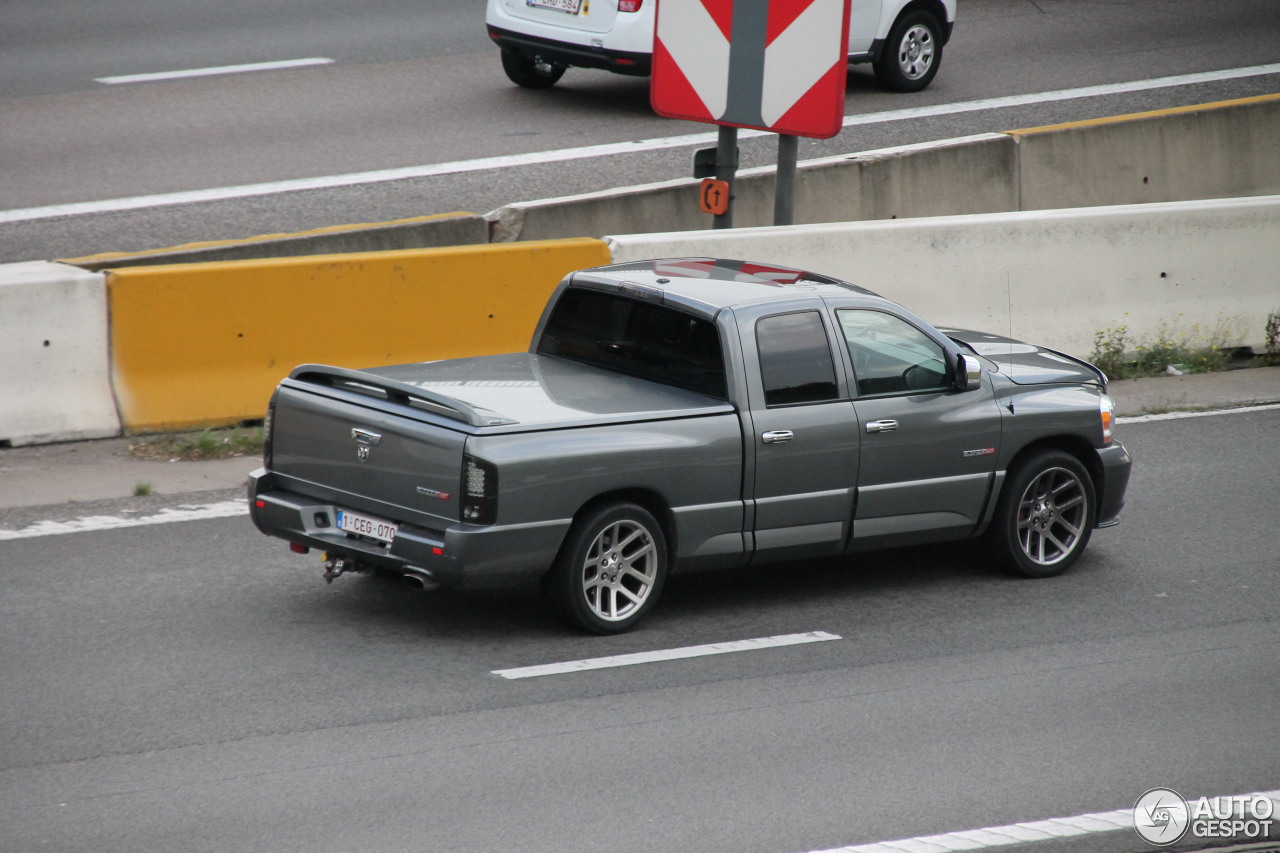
(630, 5)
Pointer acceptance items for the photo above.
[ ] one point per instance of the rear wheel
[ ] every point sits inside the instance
(610, 570)
(523, 71)
(912, 53)
(1045, 515)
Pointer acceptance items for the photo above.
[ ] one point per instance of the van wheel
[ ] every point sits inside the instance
(610, 571)
(523, 71)
(912, 53)
(1045, 515)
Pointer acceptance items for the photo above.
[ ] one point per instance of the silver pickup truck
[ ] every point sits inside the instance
(691, 414)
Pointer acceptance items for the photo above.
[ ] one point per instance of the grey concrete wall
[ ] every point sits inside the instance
(969, 175)
(1054, 277)
(53, 344)
(1223, 150)
(1171, 155)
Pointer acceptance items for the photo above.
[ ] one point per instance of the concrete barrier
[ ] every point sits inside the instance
(969, 175)
(420, 232)
(1052, 277)
(1216, 150)
(204, 344)
(54, 385)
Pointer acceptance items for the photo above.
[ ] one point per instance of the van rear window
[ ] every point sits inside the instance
(637, 338)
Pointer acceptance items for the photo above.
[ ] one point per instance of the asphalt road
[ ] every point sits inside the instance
(194, 686)
(416, 84)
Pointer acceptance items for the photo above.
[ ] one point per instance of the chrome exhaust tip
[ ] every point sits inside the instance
(420, 579)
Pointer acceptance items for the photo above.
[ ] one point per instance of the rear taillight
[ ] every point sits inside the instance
(630, 5)
(1107, 409)
(267, 423)
(479, 491)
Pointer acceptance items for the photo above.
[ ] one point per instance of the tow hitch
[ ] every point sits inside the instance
(337, 566)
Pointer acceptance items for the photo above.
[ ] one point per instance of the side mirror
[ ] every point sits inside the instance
(968, 373)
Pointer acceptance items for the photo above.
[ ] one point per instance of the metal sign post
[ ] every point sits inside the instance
(726, 169)
(784, 186)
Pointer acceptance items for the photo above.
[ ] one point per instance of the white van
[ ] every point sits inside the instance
(539, 39)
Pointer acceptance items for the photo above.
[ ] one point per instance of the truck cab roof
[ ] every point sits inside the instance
(707, 285)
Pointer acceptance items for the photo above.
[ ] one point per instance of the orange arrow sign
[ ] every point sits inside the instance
(713, 196)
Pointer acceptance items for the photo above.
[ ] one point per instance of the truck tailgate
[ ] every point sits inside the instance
(367, 459)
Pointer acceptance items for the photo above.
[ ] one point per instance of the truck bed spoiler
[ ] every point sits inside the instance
(396, 392)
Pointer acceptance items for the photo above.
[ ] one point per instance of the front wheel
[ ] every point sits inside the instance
(523, 71)
(610, 570)
(1045, 514)
(912, 53)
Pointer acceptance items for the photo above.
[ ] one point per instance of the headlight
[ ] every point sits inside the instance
(1107, 410)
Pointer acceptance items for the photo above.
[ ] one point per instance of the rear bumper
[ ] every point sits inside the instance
(566, 53)
(1116, 465)
(460, 555)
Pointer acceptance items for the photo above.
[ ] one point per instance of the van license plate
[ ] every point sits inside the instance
(383, 531)
(570, 6)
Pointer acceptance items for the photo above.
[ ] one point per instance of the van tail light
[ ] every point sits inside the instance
(479, 491)
(1107, 408)
(630, 5)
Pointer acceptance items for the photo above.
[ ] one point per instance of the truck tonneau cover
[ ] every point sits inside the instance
(521, 391)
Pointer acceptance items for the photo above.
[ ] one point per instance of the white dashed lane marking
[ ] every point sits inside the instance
(228, 509)
(210, 72)
(667, 654)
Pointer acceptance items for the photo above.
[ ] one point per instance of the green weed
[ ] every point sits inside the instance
(1196, 350)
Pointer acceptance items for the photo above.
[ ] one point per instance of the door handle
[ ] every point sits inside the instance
(365, 437)
(881, 426)
(777, 436)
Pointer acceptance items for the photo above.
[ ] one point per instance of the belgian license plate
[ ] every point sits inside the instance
(363, 525)
(570, 6)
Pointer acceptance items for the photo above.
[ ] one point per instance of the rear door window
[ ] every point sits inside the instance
(795, 359)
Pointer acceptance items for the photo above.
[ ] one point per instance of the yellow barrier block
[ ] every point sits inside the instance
(194, 345)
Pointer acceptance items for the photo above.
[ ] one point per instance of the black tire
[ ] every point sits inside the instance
(610, 571)
(912, 53)
(1045, 515)
(523, 71)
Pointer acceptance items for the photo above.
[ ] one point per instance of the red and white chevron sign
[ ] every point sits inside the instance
(776, 65)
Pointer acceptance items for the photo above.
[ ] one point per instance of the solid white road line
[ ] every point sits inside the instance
(1021, 833)
(91, 523)
(227, 509)
(606, 150)
(1174, 416)
(666, 654)
(210, 72)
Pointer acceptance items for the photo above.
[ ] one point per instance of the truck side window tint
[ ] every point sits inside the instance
(891, 356)
(636, 338)
(795, 359)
